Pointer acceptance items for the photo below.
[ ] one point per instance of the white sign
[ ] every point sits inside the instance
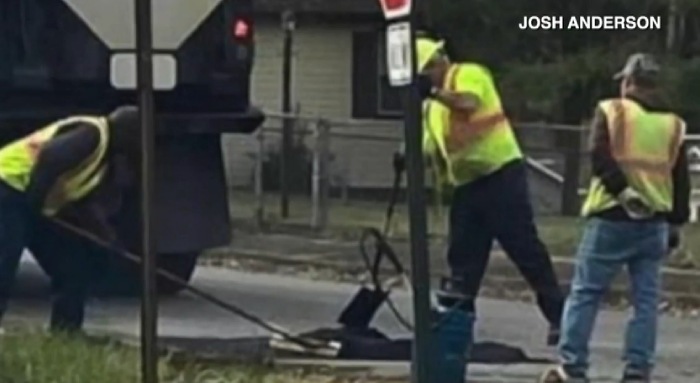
(123, 71)
(399, 54)
(394, 9)
(114, 21)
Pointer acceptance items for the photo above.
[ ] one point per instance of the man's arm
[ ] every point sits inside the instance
(467, 91)
(464, 102)
(61, 154)
(604, 165)
(681, 190)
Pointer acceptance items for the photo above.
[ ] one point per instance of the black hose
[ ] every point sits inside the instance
(226, 306)
(381, 247)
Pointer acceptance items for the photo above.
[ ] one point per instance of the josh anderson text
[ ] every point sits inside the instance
(590, 22)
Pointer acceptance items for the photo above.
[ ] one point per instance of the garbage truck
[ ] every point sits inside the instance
(67, 57)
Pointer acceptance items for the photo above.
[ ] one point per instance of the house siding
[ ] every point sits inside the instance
(321, 84)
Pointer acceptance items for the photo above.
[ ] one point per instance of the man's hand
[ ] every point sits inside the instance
(674, 238)
(91, 217)
(634, 204)
(425, 86)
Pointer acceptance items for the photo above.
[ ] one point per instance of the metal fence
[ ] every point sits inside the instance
(342, 168)
(339, 164)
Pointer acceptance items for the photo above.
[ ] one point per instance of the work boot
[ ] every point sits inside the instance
(553, 336)
(632, 375)
(560, 375)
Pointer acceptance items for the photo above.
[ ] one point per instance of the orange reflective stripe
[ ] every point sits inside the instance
(646, 165)
(618, 139)
(620, 143)
(461, 126)
(34, 145)
(677, 139)
(461, 131)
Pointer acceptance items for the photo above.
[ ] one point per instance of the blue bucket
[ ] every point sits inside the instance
(454, 334)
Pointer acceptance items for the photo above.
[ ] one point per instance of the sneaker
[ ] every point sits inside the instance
(559, 375)
(553, 336)
(635, 376)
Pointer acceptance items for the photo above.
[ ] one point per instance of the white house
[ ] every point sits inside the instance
(338, 73)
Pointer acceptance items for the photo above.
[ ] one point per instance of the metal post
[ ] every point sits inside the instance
(259, 174)
(288, 25)
(420, 267)
(570, 200)
(149, 299)
(320, 177)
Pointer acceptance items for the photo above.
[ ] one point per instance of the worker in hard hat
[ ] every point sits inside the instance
(470, 139)
(60, 171)
(638, 199)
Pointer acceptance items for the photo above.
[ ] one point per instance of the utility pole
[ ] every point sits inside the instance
(288, 25)
(149, 297)
(401, 63)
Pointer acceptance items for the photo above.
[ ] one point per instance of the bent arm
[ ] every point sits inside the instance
(466, 92)
(462, 102)
(61, 154)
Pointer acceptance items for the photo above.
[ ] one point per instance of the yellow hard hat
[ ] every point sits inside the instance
(425, 50)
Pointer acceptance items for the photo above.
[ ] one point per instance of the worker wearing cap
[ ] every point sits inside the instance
(640, 185)
(471, 141)
(60, 171)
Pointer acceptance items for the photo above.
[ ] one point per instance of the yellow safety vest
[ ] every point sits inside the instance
(18, 159)
(470, 146)
(645, 145)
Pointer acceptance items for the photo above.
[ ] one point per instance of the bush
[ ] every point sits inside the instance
(683, 82)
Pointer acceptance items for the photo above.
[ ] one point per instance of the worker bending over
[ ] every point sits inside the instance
(61, 170)
(640, 185)
(471, 142)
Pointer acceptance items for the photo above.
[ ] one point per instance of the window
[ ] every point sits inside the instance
(372, 97)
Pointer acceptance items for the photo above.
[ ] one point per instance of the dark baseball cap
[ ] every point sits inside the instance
(639, 65)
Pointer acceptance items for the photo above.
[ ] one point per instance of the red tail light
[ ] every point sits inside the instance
(241, 30)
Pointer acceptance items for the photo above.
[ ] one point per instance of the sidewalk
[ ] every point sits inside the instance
(680, 286)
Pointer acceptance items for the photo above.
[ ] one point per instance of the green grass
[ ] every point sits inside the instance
(560, 234)
(33, 357)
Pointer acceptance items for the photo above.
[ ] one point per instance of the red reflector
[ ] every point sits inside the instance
(395, 4)
(241, 29)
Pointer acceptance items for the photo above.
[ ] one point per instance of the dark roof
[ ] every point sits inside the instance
(344, 7)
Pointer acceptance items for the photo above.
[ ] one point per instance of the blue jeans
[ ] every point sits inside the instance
(605, 248)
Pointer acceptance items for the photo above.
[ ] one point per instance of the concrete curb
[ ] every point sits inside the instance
(680, 286)
(481, 373)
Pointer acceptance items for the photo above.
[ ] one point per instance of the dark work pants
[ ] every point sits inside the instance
(498, 207)
(15, 222)
(63, 257)
(70, 265)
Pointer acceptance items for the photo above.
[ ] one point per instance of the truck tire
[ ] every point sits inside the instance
(180, 265)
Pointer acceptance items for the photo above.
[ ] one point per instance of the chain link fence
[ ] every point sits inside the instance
(341, 170)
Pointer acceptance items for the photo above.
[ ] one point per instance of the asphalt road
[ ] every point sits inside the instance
(301, 305)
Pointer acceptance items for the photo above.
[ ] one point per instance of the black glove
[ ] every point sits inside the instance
(674, 238)
(425, 86)
(399, 162)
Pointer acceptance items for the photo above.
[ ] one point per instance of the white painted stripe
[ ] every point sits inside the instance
(113, 21)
